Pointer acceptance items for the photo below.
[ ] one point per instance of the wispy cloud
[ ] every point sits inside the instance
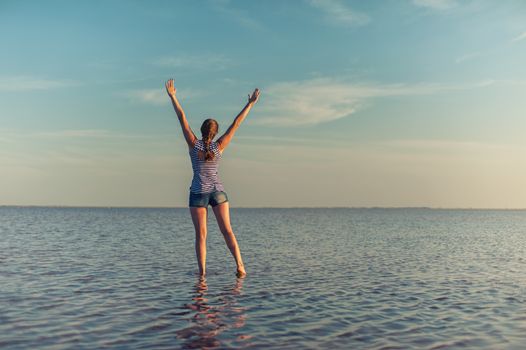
(446, 145)
(323, 100)
(338, 12)
(519, 37)
(27, 83)
(467, 57)
(210, 61)
(11, 135)
(234, 14)
(436, 4)
(76, 133)
(150, 96)
(157, 96)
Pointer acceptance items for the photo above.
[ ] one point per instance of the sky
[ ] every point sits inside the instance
(394, 103)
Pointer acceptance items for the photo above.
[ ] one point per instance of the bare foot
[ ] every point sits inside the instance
(241, 272)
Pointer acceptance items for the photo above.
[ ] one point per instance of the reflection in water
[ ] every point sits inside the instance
(212, 315)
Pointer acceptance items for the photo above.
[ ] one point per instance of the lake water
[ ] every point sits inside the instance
(85, 278)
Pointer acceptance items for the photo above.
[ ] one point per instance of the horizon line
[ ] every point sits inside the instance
(250, 207)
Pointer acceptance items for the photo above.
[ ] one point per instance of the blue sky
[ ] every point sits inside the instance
(364, 103)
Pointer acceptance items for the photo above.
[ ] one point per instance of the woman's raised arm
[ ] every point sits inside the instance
(225, 139)
(187, 131)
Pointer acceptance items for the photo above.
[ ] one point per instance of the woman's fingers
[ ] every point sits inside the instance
(255, 95)
(170, 89)
(170, 86)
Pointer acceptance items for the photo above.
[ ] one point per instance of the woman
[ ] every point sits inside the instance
(206, 187)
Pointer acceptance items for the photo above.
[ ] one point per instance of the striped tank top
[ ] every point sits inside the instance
(205, 178)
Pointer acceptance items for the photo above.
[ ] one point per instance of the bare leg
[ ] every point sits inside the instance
(199, 220)
(222, 213)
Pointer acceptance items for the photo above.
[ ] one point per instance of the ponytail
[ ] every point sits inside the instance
(208, 130)
(208, 154)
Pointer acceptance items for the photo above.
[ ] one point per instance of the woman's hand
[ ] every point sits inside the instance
(170, 88)
(254, 98)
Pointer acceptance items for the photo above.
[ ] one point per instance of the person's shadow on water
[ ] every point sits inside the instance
(209, 320)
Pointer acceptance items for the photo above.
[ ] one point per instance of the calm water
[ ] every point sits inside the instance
(318, 278)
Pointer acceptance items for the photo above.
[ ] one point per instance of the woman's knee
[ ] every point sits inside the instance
(200, 234)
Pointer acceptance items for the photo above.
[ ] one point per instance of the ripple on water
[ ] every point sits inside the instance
(318, 278)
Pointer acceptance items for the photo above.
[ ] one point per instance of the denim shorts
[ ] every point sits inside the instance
(204, 199)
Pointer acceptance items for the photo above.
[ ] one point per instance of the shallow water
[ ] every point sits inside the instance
(318, 278)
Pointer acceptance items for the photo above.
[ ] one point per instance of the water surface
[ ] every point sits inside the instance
(86, 278)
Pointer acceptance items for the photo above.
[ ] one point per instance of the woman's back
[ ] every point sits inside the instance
(206, 178)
